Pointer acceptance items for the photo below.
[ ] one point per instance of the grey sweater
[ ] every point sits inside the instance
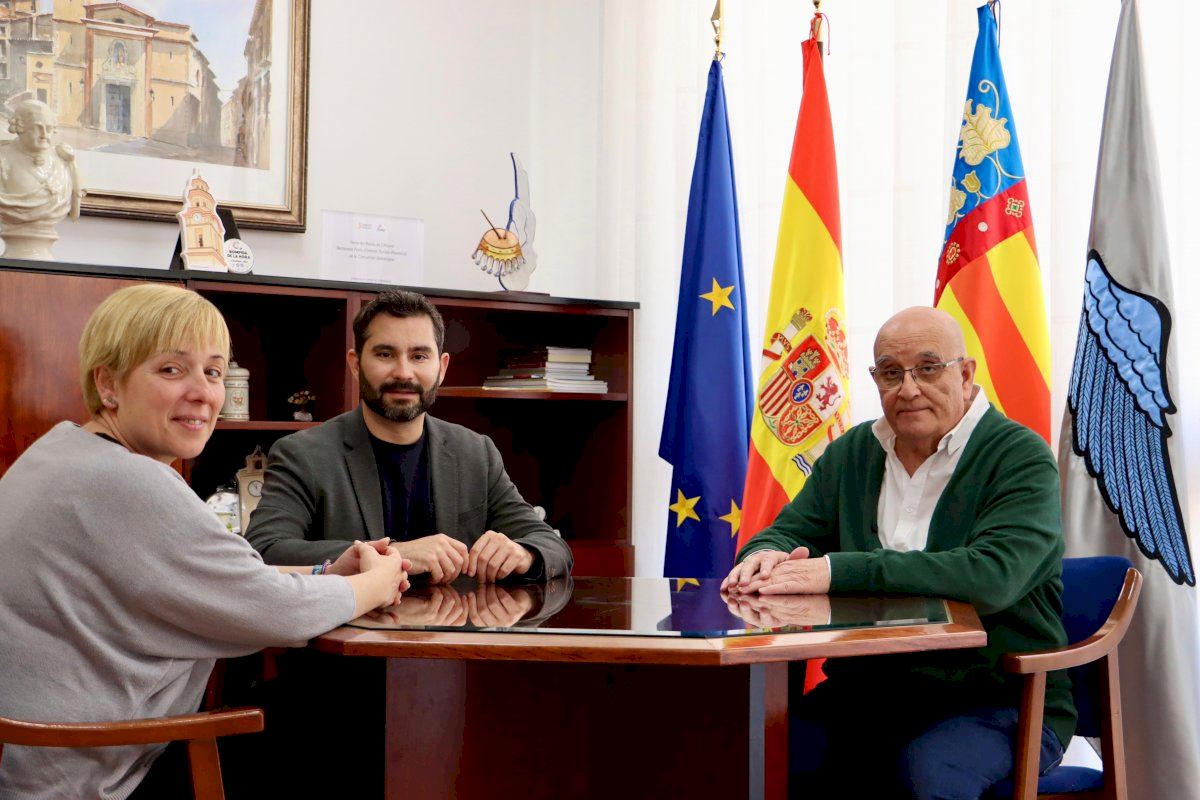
(118, 590)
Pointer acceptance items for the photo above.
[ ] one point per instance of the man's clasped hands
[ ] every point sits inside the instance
(772, 589)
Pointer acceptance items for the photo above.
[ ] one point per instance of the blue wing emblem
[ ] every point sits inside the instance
(1119, 402)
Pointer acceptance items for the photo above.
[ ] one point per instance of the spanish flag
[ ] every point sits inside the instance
(802, 402)
(988, 275)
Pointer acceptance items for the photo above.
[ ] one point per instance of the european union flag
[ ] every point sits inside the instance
(706, 431)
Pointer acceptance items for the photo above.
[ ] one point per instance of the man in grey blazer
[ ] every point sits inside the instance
(387, 469)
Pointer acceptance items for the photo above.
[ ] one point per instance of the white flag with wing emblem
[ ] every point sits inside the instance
(1121, 469)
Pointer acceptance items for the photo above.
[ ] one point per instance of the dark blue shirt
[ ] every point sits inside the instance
(404, 484)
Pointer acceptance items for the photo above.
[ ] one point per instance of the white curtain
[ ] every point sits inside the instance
(897, 75)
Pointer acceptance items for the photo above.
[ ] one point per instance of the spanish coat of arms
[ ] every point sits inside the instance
(808, 388)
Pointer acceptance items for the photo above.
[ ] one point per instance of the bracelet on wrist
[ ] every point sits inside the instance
(322, 569)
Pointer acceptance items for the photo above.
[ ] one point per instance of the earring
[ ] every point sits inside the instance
(110, 402)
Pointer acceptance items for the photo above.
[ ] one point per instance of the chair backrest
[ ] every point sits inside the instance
(1090, 590)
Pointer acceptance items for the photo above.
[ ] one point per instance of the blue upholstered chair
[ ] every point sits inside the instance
(1099, 597)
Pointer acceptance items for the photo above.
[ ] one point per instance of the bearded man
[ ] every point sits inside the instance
(387, 469)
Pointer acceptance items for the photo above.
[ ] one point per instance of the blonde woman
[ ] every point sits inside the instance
(119, 587)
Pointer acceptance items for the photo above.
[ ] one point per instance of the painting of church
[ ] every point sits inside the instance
(124, 81)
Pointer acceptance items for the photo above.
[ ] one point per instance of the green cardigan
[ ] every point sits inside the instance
(995, 541)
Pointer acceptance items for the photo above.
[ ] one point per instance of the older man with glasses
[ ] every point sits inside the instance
(944, 496)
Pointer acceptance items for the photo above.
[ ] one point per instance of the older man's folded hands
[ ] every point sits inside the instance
(775, 572)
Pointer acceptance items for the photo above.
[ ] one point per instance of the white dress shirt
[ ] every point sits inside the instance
(907, 502)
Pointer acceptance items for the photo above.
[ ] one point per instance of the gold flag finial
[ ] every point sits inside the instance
(718, 23)
(818, 29)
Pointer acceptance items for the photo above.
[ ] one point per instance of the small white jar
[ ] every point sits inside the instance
(237, 393)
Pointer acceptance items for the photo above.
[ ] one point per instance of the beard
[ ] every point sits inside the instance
(373, 398)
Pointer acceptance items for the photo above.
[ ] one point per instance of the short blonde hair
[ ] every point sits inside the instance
(141, 321)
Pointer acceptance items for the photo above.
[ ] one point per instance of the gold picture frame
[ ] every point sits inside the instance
(142, 183)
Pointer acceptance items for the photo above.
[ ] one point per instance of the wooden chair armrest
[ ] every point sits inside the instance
(205, 725)
(1096, 646)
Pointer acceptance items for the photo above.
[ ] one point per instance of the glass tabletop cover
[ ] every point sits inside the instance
(662, 607)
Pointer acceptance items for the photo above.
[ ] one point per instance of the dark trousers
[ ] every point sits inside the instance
(169, 778)
(851, 740)
(323, 732)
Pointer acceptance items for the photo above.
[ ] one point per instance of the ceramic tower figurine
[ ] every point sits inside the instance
(202, 230)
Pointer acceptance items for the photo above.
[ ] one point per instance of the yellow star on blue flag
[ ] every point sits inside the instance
(685, 508)
(734, 518)
(719, 297)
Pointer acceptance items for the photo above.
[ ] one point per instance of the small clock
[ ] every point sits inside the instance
(250, 483)
(196, 217)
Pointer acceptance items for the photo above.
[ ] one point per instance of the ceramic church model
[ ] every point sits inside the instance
(202, 230)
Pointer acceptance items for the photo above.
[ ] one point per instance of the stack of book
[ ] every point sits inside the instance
(554, 369)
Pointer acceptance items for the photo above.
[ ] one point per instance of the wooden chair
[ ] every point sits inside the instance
(200, 731)
(1099, 598)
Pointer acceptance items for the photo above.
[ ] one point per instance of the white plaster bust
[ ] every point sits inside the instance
(39, 183)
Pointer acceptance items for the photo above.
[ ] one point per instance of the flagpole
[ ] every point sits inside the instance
(718, 23)
(818, 29)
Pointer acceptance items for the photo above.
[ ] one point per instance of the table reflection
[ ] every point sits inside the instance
(468, 604)
(781, 611)
(640, 607)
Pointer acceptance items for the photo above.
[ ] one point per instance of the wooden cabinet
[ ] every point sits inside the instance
(41, 319)
(568, 453)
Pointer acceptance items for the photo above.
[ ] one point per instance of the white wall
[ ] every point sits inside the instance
(414, 107)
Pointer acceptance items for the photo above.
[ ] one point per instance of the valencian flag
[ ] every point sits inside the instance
(1121, 465)
(988, 276)
(706, 427)
(802, 401)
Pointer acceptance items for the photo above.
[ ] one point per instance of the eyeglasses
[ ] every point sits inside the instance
(891, 377)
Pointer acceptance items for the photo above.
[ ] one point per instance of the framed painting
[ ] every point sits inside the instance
(147, 91)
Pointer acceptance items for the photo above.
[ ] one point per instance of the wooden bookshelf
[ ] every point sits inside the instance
(569, 453)
(480, 393)
(263, 425)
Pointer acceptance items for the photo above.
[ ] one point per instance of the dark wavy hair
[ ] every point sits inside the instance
(400, 304)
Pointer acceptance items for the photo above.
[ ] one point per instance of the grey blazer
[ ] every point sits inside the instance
(322, 491)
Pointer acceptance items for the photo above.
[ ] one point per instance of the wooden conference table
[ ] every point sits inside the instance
(613, 687)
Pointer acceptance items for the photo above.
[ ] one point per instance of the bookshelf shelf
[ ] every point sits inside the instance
(263, 425)
(480, 393)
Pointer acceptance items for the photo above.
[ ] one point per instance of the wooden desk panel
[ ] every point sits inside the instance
(472, 729)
